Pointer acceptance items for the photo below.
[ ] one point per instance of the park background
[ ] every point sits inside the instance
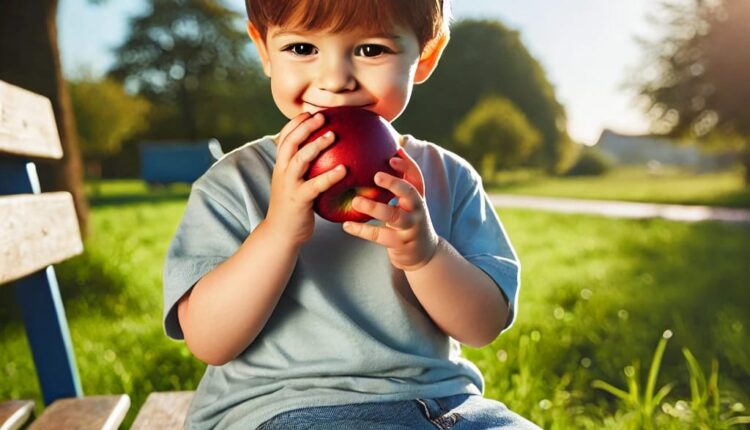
(524, 93)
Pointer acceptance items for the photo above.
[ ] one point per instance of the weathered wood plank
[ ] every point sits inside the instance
(27, 124)
(36, 231)
(15, 413)
(165, 411)
(87, 413)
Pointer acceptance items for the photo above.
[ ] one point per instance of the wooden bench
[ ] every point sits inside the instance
(38, 230)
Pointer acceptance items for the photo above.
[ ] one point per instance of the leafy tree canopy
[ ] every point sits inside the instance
(484, 58)
(106, 116)
(193, 59)
(696, 74)
(178, 43)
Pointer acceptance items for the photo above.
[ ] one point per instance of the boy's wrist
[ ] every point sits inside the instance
(436, 244)
(279, 235)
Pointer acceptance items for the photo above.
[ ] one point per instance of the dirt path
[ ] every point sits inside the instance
(623, 209)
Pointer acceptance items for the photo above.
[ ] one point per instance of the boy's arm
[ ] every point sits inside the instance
(229, 306)
(459, 297)
(226, 310)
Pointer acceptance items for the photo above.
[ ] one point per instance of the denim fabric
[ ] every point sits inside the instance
(460, 412)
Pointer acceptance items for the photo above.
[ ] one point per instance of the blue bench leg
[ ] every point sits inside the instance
(47, 331)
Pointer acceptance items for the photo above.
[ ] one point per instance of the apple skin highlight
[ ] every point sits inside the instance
(365, 142)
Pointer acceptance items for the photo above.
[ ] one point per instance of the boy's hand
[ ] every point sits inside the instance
(407, 231)
(290, 211)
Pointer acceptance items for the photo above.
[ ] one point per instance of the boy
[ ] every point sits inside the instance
(304, 322)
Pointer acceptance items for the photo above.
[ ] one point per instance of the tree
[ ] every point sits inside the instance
(697, 74)
(190, 59)
(101, 132)
(496, 135)
(484, 58)
(31, 60)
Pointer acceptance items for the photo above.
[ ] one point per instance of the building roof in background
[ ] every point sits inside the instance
(645, 149)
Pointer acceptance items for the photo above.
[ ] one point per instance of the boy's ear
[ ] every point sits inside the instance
(261, 46)
(431, 54)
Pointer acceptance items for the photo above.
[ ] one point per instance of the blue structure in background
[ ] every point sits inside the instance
(169, 162)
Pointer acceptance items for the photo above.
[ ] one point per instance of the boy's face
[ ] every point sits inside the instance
(311, 71)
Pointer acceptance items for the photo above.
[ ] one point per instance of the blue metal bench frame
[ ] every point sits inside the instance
(38, 296)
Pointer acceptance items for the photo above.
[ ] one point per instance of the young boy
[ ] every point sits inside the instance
(310, 324)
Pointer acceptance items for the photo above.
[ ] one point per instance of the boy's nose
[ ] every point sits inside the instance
(335, 75)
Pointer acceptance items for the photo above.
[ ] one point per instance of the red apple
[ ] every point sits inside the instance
(365, 142)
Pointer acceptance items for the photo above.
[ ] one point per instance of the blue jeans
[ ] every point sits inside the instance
(459, 412)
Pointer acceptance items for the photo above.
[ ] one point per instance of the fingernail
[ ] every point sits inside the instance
(329, 134)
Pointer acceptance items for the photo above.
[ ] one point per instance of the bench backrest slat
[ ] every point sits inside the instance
(38, 230)
(27, 124)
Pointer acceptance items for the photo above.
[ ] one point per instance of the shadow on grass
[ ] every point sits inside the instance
(87, 285)
(123, 200)
(132, 191)
(137, 195)
(737, 199)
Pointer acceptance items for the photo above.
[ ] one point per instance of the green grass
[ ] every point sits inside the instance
(597, 294)
(633, 184)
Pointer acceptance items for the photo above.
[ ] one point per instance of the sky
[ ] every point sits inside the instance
(588, 49)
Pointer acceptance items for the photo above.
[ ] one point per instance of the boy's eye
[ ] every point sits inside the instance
(301, 49)
(371, 50)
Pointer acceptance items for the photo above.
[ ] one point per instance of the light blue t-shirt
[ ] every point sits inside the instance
(348, 328)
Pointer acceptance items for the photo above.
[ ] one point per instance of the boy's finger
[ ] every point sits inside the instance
(297, 136)
(406, 192)
(291, 125)
(301, 160)
(406, 165)
(313, 187)
(391, 215)
(383, 235)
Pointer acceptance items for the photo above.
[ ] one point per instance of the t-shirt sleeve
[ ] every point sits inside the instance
(478, 234)
(208, 234)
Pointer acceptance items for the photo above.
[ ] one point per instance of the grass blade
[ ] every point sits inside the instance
(611, 389)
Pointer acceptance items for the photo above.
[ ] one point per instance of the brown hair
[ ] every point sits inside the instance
(428, 18)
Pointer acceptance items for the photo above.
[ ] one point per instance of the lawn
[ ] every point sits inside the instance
(634, 184)
(597, 295)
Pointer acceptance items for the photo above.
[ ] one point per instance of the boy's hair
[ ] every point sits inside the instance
(428, 18)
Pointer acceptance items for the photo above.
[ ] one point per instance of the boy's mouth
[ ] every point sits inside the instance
(328, 107)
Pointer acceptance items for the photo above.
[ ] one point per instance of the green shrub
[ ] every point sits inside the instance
(495, 134)
(591, 162)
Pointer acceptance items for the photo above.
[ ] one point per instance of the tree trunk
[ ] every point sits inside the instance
(188, 111)
(30, 59)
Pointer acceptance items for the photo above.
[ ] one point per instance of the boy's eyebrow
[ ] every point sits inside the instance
(392, 36)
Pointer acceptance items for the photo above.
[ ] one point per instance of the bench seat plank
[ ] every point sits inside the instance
(164, 410)
(87, 413)
(15, 413)
(27, 124)
(37, 230)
